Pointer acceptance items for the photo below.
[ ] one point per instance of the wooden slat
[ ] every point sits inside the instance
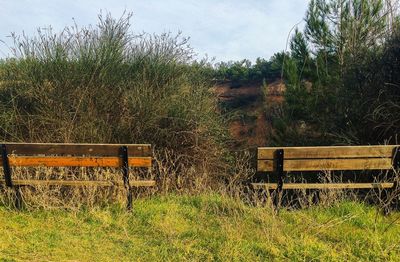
(329, 164)
(58, 161)
(385, 151)
(266, 165)
(30, 182)
(323, 186)
(140, 150)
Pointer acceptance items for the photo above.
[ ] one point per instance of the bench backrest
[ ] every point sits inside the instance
(79, 155)
(329, 158)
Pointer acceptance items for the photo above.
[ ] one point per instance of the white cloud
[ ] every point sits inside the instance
(227, 30)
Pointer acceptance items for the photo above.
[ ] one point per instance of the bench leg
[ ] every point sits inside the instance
(392, 195)
(129, 199)
(18, 198)
(279, 154)
(392, 198)
(125, 172)
(8, 177)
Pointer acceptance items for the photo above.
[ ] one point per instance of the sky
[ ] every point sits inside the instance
(224, 30)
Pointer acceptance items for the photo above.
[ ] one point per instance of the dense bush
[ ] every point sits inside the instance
(103, 84)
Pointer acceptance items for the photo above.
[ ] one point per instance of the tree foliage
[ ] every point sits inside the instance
(344, 55)
(244, 70)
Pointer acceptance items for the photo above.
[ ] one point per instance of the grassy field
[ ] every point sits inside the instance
(199, 228)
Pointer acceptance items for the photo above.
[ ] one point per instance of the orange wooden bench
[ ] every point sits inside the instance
(76, 155)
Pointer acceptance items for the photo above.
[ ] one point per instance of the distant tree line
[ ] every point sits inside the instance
(245, 70)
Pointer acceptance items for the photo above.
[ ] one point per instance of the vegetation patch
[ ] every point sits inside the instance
(204, 227)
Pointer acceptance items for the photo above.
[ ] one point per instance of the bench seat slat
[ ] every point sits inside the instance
(140, 150)
(384, 151)
(58, 161)
(329, 164)
(323, 186)
(135, 183)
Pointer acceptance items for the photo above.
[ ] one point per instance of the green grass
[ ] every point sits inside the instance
(199, 228)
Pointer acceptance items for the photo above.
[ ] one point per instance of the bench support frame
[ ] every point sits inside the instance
(396, 158)
(8, 176)
(125, 173)
(279, 158)
(6, 166)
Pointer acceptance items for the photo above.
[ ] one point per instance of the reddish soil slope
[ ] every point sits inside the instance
(250, 103)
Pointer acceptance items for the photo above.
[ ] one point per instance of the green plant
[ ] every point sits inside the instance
(103, 84)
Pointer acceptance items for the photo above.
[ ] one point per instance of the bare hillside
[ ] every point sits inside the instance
(249, 106)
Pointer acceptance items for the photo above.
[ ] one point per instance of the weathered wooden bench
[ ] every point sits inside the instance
(328, 158)
(76, 155)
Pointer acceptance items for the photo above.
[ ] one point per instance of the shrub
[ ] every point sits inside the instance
(103, 84)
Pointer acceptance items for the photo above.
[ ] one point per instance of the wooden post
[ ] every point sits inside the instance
(278, 159)
(125, 172)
